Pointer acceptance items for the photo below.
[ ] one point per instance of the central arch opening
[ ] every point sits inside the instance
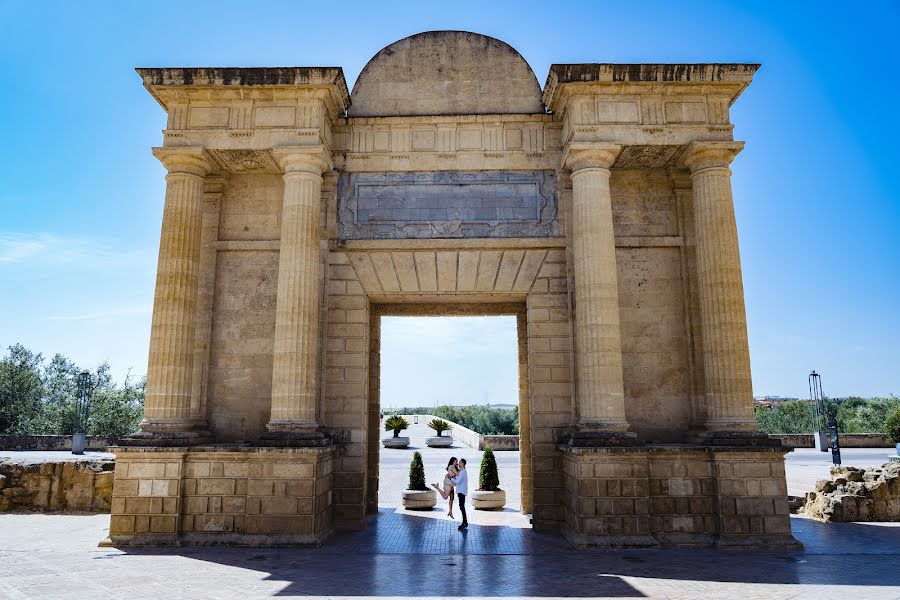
(463, 364)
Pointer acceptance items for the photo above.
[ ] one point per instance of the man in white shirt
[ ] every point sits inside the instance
(461, 482)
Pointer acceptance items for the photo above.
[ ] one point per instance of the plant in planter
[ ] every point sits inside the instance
(418, 496)
(396, 423)
(439, 426)
(488, 496)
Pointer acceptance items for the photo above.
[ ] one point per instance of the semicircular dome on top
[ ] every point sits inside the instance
(446, 73)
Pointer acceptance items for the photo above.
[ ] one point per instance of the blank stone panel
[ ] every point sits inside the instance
(655, 348)
(643, 203)
(240, 369)
(447, 204)
(251, 207)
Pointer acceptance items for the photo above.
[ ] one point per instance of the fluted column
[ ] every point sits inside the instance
(297, 305)
(723, 321)
(167, 407)
(598, 360)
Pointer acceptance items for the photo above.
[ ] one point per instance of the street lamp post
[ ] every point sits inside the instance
(815, 398)
(82, 402)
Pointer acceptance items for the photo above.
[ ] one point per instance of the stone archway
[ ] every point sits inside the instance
(505, 277)
(374, 431)
(294, 210)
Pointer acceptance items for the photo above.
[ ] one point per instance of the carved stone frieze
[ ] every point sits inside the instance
(246, 161)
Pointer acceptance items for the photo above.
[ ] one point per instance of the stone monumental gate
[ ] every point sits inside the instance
(598, 211)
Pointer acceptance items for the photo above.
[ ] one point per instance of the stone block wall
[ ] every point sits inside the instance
(676, 496)
(244, 496)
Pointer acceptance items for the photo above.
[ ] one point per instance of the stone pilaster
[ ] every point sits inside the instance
(600, 389)
(294, 412)
(726, 354)
(167, 408)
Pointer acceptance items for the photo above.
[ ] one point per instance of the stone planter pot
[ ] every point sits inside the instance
(441, 441)
(395, 442)
(483, 500)
(416, 500)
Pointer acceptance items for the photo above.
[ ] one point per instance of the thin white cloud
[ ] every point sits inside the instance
(48, 250)
(128, 311)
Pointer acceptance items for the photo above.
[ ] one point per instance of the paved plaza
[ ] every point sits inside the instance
(421, 554)
(405, 556)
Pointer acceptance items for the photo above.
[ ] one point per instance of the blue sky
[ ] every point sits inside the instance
(816, 191)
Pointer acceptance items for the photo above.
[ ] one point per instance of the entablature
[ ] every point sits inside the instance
(225, 107)
(645, 105)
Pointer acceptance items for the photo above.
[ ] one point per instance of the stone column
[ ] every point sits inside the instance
(598, 345)
(723, 322)
(167, 408)
(294, 413)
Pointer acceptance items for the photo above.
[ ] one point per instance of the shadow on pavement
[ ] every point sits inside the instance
(399, 555)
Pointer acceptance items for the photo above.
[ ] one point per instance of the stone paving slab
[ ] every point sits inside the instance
(56, 556)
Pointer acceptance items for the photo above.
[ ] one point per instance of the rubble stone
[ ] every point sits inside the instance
(83, 486)
(855, 494)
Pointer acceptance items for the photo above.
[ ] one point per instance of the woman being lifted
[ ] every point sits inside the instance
(447, 491)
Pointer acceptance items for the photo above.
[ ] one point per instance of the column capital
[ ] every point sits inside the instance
(591, 155)
(706, 155)
(193, 161)
(303, 159)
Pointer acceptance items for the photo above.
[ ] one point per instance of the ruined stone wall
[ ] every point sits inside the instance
(82, 486)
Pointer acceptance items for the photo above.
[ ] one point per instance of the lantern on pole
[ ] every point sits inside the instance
(815, 398)
(84, 389)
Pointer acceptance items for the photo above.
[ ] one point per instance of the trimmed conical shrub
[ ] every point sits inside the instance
(488, 478)
(417, 473)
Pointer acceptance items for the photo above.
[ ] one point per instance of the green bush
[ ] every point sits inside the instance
(396, 423)
(439, 426)
(853, 415)
(38, 397)
(892, 427)
(417, 473)
(488, 478)
(481, 419)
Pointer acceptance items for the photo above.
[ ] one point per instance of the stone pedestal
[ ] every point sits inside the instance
(231, 495)
(676, 496)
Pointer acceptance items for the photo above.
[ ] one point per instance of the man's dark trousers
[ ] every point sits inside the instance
(462, 509)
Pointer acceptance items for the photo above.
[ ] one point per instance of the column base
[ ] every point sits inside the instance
(596, 439)
(167, 438)
(754, 439)
(294, 439)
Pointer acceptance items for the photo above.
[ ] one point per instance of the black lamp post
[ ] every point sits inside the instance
(815, 398)
(84, 389)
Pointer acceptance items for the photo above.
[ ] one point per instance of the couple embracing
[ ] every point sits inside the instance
(456, 482)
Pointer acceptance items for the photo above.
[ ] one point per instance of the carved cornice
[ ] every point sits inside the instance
(166, 83)
(566, 76)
